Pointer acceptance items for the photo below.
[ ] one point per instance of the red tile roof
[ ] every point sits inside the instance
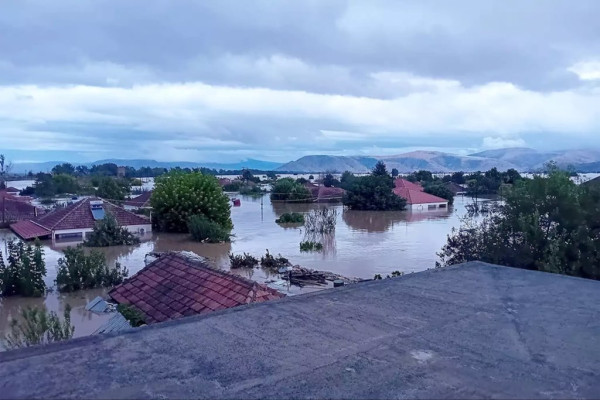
(11, 189)
(79, 216)
(176, 285)
(413, 193)
(322, 193)
(418, 197)
(403, 183)
(29, 230)
(143, 200)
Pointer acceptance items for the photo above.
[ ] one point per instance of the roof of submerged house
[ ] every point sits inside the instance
(78, 216)
(469, 331)
(414, 194)
(175, 285)
(27, 229)
(143, 200)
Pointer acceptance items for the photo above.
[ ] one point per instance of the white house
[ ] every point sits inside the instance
(416, 198)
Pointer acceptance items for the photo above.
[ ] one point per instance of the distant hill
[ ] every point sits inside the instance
(250, 163)
(329, 163)
(530, 159)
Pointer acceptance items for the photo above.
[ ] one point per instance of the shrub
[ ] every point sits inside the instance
(290, 218)
(108, 232)
(24, 271)
(177, 196)
(38, 327)
(234, 186)
(377, 277)
(252, 190)
(286, 189)
(310, 246)
(77, 271)
(273, 263)
(242, 261)
(203, 229)
(321, 220)
(132, 314)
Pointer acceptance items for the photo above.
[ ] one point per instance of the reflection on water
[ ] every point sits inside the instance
(364, 243)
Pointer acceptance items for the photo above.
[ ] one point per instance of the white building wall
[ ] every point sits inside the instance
(426, 206)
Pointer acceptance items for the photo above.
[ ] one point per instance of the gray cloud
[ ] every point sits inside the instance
(389, 73)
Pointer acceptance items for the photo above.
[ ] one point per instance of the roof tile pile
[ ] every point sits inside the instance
(174, 286)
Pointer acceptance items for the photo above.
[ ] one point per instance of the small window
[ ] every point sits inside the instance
(443, 205)
(431, 207)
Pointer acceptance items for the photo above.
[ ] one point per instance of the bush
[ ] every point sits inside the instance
(286, 189)
(24, 271)
(177, 196)
(330, 181)
(38, 327)
(132, 314)
(77, 271)
(290, 218)
(545, 224)
(204, 230)
(310, 246)
(108, 232)
(274, 263)
(28, 191)
(321, 220)
(242, 261)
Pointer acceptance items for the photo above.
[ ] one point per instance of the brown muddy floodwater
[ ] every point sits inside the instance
(365, 243)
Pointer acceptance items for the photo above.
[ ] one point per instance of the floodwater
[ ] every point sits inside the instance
(364, 243)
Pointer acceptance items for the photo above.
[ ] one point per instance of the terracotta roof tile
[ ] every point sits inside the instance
(29, 230)
(175, 285)
(413, 193)
(143, 200)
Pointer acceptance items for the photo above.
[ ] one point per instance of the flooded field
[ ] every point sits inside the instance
(365, 243)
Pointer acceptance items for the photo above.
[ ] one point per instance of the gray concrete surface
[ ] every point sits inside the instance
(469, 331)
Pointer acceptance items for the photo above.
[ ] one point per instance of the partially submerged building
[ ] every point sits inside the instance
(416, 198)
(177, 285)
(323, 194)
(141, 201)
(78, 219)
(15, 208)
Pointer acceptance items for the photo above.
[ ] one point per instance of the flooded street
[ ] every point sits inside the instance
(365, 243)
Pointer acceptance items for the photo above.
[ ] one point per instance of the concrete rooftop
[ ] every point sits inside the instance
(474, 330)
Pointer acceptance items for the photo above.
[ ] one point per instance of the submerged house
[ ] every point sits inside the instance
(177, 285)
(416, 198)
(78, 219)
(15, 208)
(141, 201)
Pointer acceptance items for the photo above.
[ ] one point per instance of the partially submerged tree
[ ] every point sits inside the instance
(178, 196)
(286, 189)
(23, 271)
(36, 326)
(108, 232)
(372, 192)
(77, 270)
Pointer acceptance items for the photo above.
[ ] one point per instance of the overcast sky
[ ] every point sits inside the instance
(275, 80)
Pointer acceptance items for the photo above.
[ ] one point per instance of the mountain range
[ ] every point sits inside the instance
(521, 159)
(249, 163)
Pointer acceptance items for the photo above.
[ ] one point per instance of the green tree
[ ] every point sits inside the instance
(4, 171)
(65, 184)
(24, 270)
(458, 177)
(111, 189)
(380, 169)
(546, 224)
(394, 172)
(77, 271)
(373, 192)
(440, 190)
(286, 189)
(330, 181)
(108, 232)
(44, 185)
(177, 196)
(63, 169)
